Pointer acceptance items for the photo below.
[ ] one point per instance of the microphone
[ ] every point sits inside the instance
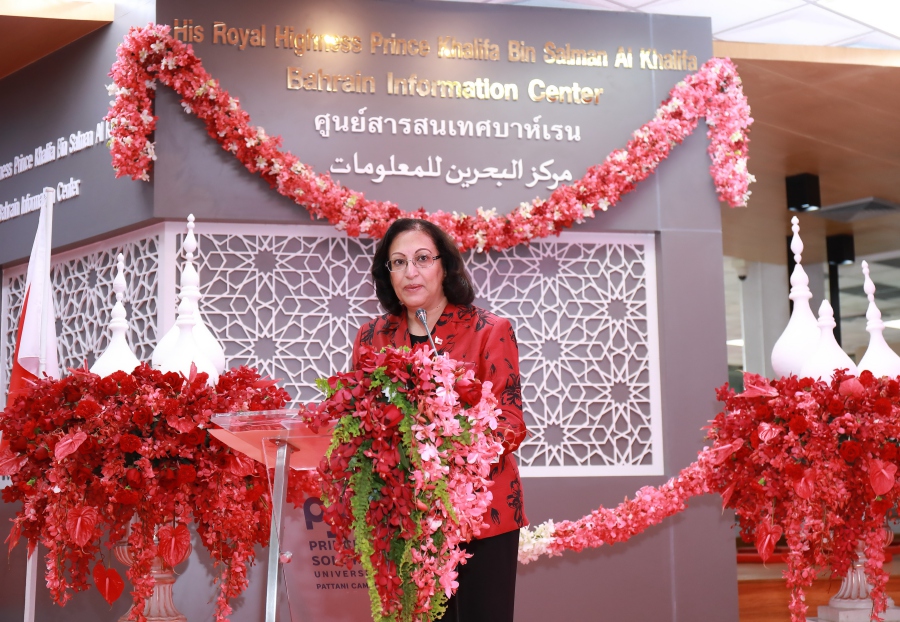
(420, 314)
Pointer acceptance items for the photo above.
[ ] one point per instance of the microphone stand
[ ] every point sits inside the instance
(422, 317)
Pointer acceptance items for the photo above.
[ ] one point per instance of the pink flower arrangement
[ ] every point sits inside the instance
(150, 54)
(406, 477)
(91, 456)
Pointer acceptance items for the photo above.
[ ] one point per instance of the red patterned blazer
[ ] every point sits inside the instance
(474, 335)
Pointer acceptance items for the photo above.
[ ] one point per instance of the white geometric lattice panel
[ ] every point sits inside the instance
(288, 305)
(584, 309)
(83, 296)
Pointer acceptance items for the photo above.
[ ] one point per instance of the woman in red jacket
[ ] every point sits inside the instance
(416, 267)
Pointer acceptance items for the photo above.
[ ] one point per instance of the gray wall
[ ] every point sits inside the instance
(59, 94)
(683, 570)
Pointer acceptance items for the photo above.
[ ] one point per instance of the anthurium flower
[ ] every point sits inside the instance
(881, 476)
(767, 536)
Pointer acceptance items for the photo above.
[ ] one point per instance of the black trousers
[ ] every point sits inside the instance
(487, 582)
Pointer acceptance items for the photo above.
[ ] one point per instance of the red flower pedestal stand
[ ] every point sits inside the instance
(852, 603)
(159, 607)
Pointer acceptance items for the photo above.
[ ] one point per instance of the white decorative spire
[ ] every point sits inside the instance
(190, 292)
(827, 355)
(118, 355)
(802, 332)
(186, 350)
(879, 358)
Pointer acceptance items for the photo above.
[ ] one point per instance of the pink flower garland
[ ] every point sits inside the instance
(649, 507)
(148, 54)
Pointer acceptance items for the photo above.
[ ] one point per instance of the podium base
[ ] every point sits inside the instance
(827, 613)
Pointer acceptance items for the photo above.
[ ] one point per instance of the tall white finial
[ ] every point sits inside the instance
(879, 358)
(190, 292)
(186, 350)
(118, 355)
(802, 332)
(827, 355)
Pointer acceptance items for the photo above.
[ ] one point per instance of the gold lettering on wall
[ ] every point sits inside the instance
(187, 32)
(395, 46)
(556, 54)
(624, 59)
(309, 41)
(323, 82)
(239, 37)
(477, 49)
(518, 52)
(481, 88)
(568, 94)
(678, 60)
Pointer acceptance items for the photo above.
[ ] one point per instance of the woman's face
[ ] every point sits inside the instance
(417, 287)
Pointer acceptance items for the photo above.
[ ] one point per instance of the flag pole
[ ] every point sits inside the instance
(31, 568)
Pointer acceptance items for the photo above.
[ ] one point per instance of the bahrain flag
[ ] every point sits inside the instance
(35, 352)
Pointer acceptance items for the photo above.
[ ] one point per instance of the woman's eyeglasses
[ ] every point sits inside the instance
(419, 261)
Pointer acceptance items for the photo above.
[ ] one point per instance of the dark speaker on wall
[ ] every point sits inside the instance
(803, 192)
(840, 249)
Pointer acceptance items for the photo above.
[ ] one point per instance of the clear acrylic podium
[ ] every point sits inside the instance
(279, 439)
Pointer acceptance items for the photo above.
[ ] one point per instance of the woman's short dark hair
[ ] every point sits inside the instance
(457, 284)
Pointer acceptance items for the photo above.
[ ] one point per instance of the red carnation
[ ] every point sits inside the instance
(187, 474)
(108, 386)
(469, 391)
(142, 416)
(87, 408)
(889, 452)
(134, 478)
(72, 393)
(128, 385)
(174, 380)
(167, 479)
(850, 451)
(754, 438)
(798, 424)
(882, 406)
(794, 470)
(194, 437)
(129, 443)
(836, 406)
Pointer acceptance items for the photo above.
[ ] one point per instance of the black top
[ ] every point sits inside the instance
(415, 340)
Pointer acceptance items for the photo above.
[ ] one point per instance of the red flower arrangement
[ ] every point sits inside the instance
(406, 477)
(93, 457)
(147, 54)
(815, 462)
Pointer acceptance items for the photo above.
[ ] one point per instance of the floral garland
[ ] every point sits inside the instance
(148, 54)
(406, 477)
(649, 507)
(130, 454)
(814, 461)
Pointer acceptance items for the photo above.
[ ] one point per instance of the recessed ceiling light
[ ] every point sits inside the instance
(740, 342)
